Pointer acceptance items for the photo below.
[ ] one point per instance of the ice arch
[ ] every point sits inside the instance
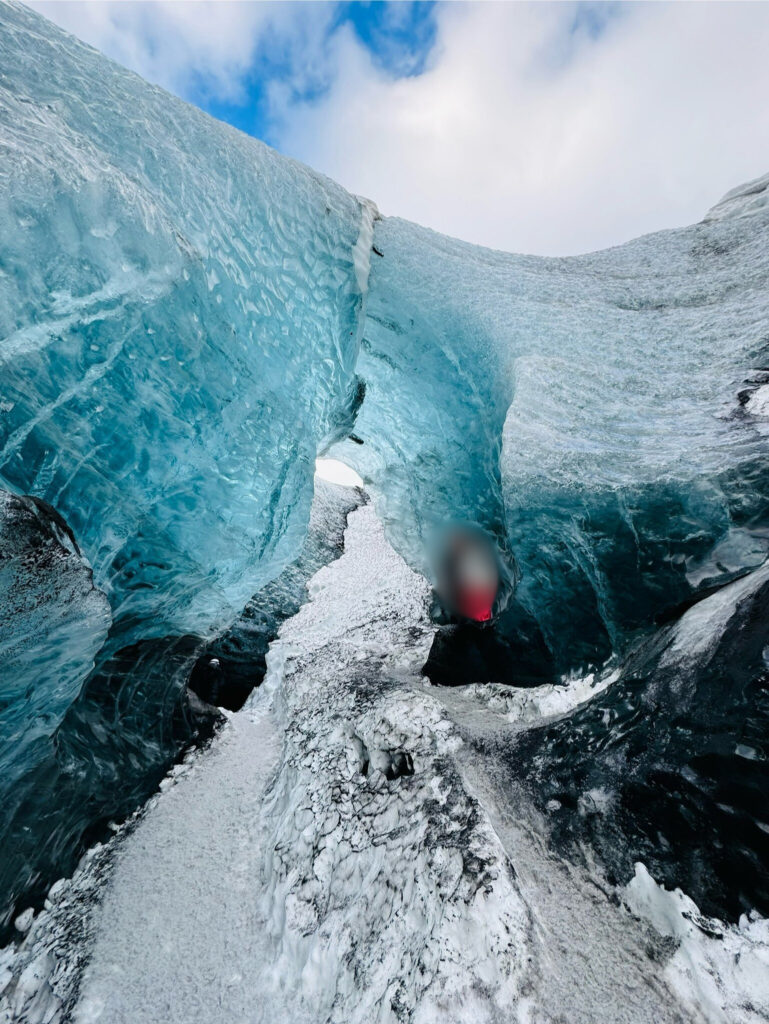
(188, 319)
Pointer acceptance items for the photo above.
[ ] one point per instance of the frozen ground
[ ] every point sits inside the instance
(341, 853)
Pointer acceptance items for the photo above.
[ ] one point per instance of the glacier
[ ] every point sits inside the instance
(187, 321)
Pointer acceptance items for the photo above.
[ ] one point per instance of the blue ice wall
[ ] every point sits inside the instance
(179, 311)
(53, 621)
(594, 413)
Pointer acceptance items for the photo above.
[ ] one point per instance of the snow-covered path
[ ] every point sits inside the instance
(180, 936)
(344, 853)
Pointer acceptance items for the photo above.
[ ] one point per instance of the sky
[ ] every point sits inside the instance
(549, 128)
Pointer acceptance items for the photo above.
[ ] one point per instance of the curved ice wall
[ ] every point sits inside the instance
(53, 622)
(179, 313)
(591, 412)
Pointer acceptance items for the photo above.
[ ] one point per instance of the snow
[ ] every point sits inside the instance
(719, 971)
(181, 906)
(297, 870)
(701, 628)
(523, 708)
(331, 887)
(758, 403)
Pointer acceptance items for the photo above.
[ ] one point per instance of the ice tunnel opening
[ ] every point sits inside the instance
(337, 472)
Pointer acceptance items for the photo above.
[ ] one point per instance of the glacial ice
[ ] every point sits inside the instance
(186, 326)
(584, 410)
(668, 765)
(179, 308)
(187, 320)
(53, 621)
(177, 342)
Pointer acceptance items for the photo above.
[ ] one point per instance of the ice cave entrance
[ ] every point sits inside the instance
(337, 472)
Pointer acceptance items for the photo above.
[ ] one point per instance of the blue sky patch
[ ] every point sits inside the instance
(400, 37)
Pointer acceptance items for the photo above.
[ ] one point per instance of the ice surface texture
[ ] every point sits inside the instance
(235, 662)
(53, 621)
(584, 410)
(669, 764)
(179, 310)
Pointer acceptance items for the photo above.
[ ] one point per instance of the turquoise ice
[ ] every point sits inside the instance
(185, 324)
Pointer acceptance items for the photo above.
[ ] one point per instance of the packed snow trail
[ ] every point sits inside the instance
(340, 864)
(180, 936)
(361, 886)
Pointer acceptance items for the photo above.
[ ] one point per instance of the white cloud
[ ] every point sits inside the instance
(503, 142)
(192, 48)
(521, 134)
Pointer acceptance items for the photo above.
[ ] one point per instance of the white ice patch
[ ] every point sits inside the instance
(181, 920)
(758, 403)
(41, 972)
(361, 253)
(745, 199)
(523, 707)
(702, 626)
(739, 549)
(720, 971)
